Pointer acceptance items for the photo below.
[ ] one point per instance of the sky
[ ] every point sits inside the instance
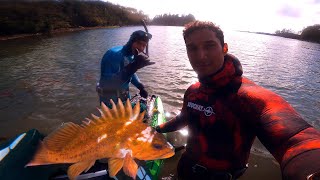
(247, 15)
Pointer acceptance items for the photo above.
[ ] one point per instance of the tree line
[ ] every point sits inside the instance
(30, 16)
(172, 19)
(310, 33)
(19, 17)
(45, 16)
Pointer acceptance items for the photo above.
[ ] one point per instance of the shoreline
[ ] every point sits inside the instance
(53, 32)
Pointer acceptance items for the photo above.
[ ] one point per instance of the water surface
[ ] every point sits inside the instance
(45, 81)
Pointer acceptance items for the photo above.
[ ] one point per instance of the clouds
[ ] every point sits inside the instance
(251, 15)
(290, 11)
(316, 1)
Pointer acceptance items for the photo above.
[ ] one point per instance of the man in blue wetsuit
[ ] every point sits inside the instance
(118, 67)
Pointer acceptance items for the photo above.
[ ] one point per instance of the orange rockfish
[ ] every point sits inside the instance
(119, 134)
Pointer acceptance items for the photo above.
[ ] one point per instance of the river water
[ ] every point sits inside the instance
(45, 81)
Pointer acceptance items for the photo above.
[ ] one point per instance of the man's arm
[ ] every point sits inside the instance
(290, 139)
(177, 122)
(137, 83)
(174, 124)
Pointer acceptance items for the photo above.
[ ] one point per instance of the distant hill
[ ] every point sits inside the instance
(41, 16)
(310, 33)
(17, 17)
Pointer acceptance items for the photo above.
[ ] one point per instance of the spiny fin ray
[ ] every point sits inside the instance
(121, 110)
(135, 112)
(128, 109)
(118, 113)
(106, 111)
(114, 110)
(141, 116)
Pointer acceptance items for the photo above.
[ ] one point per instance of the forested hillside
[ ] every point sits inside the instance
(45, 16)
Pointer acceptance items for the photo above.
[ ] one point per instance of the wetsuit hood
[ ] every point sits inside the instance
(135, 36)
(228, 76)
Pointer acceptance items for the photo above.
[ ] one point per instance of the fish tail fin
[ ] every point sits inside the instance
(40, 156)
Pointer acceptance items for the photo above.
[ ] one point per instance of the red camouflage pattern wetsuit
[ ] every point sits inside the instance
(224, 114)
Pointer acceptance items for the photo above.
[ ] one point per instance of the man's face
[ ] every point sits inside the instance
(205, 53)
(140, 45)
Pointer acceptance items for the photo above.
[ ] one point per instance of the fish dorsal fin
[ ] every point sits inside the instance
(130, 167)
(135, 111)
(60, 137)
(118, 113)
(114, 166)
(75, 169)
(141, 116)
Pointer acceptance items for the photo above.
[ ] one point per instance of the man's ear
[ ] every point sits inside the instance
(225, 48)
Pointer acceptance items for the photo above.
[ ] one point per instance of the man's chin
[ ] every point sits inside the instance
(201, 74)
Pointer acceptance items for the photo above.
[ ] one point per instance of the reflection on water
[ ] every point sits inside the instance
(45, 81)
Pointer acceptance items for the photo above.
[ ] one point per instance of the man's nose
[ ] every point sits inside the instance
(202, 54)
(141, 47)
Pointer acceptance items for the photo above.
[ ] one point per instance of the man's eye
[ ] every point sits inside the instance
(191, 48)
(210, 45)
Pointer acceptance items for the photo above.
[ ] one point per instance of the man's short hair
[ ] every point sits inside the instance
(197, 25)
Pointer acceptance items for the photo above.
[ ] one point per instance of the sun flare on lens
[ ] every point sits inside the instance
(184, 132)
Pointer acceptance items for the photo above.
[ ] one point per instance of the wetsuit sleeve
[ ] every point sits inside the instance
(290, 139)
(177, 122)
(136, 81)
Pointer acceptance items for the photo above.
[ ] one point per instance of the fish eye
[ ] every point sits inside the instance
(157, 146)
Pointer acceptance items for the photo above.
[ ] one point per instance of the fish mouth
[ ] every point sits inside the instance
(163, 156)
(169, 154)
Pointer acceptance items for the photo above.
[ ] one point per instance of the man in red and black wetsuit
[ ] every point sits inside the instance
(225, 111)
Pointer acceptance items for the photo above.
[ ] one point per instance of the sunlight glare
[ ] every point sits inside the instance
(184, 132)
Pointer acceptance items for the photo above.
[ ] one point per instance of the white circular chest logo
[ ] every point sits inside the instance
(126, 61)
(208, 111)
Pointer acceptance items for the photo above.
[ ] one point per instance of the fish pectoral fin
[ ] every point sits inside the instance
(77, 168)
(130, 167)
(114, 166)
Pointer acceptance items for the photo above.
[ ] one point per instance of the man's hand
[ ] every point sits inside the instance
(158, 129)
(141, 60)
(143, 93)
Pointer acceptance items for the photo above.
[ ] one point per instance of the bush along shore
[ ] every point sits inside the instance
(310, 34)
